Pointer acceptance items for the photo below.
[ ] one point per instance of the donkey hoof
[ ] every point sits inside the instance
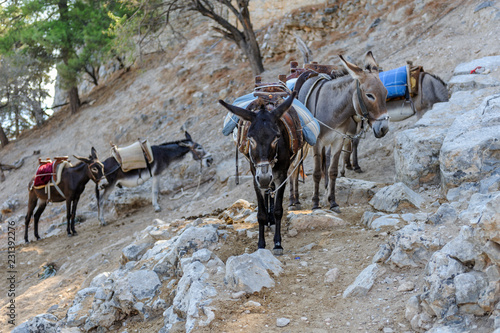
(295, 207)
(157, 209)
(316, 207)
(278, 251)
(358, 170)
(70, 234)
(336, 209)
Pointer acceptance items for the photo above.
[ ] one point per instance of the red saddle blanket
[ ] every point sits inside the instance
(43, 174)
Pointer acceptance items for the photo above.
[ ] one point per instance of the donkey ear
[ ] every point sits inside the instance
(188, 137)
(285, 106)
(370, 62)
(352, 69)
(240, 112)
(83, 159)
(93, 153)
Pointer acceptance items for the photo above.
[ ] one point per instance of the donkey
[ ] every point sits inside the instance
(72, 184)
(354, 93)
(270, 157)
(431, 89)
(163, 155)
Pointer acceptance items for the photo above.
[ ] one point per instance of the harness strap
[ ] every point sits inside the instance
(362, 105)
(237, 179)
(320, 78)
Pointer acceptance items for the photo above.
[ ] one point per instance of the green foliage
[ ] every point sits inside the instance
(73, 35)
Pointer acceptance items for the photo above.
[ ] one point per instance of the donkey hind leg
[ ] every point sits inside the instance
(333, 172)
(156, 192)
(32, 201)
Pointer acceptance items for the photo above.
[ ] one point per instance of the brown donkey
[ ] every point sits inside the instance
(71, 186)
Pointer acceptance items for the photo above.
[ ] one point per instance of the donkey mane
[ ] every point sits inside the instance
(337, 73)
(437, 78)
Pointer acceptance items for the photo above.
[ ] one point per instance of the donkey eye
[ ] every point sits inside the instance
(253, 143)
(94, 170)
(370, 97)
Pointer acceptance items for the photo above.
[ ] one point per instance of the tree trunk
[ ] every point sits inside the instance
(250, 45)
(3, 138)
(74, 100)
(253, 56)
(16, 121)
(37, 113)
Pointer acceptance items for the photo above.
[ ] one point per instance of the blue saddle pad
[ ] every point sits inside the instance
(394, 81)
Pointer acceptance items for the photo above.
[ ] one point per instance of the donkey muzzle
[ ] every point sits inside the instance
(208, 159)
(381, 126)
(263, 175)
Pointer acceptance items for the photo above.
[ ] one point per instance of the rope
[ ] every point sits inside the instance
(273, 193)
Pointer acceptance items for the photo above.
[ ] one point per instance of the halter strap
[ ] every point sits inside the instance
(364, 112)
(92, 175)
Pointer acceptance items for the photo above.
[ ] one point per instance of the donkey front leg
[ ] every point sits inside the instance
(278, 214)
(73, 215)
(38, 213)
(261, 217)
(103, 199)
(156, 193)
(333, 172)
(317, 175)
(355, 164)
(31, 207)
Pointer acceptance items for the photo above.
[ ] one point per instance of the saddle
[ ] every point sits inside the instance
(49, 172)
(135, 156)
(271, 95)
(295, 71)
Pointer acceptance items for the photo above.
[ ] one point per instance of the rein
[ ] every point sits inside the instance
(273, 193)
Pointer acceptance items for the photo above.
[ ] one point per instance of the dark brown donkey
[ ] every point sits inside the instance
(270, 156)
(72, 184)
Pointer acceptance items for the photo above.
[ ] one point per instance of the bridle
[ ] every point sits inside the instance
(92, 174)
(270, 163)
(363, 113)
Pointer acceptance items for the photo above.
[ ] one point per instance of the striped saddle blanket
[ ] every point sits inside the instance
(395, 81)
(309, 125)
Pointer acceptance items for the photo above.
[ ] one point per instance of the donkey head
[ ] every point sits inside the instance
(369, 99)
(95, 167)
(264, 135)
(199, 154)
